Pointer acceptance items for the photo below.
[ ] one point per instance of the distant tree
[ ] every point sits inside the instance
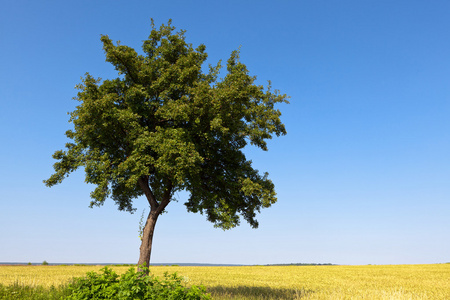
(163, 125)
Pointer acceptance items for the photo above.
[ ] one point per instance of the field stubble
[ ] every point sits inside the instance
(275, 282)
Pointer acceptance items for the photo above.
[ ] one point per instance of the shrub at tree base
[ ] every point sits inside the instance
(133, 285)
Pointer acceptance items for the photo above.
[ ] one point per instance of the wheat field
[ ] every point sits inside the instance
(275, 282)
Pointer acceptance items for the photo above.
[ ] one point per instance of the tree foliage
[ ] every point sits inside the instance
(165, 125)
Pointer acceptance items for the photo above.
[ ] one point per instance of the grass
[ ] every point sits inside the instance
(18, 291)
(262, 282)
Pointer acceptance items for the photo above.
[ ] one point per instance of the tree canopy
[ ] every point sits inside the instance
(164, 125)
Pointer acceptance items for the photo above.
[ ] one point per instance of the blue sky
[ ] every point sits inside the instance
(362, 176)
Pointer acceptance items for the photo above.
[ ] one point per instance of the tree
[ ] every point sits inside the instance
(163, 125)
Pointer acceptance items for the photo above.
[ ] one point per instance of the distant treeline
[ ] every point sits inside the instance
(302, 264)
(163, 264)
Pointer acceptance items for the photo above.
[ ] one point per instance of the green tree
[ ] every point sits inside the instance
(164, 125)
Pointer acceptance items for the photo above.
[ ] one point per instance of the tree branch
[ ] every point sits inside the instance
(143, 183)
(166, 198)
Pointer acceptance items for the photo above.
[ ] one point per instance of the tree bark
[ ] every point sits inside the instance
(147, 238)
(156, 208)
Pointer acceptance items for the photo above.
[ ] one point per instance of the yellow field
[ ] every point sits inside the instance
(273, 282)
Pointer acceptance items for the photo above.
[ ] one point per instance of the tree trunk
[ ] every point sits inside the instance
(147, 238)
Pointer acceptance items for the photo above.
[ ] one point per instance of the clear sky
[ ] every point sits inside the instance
(362, 176)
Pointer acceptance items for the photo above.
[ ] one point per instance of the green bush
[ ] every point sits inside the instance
(133, 285)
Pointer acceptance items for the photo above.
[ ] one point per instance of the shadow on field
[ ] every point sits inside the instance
(258, 292)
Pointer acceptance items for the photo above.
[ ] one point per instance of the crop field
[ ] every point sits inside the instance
(275, 282)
